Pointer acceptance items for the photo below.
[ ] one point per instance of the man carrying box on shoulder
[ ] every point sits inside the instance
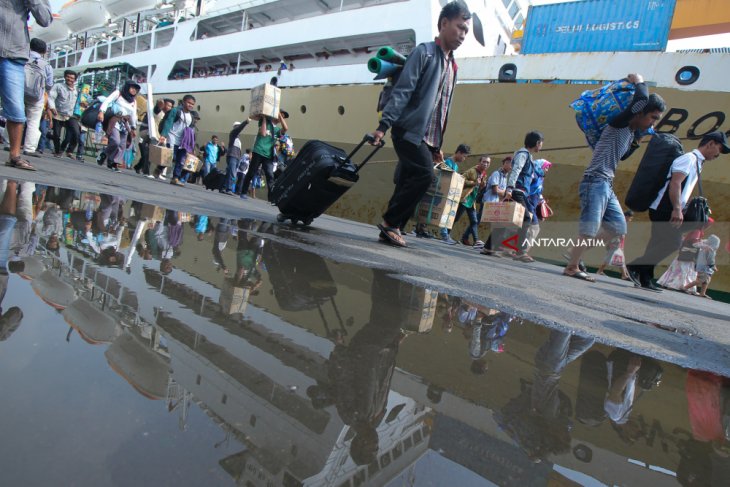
(263, 149)
(417, 113)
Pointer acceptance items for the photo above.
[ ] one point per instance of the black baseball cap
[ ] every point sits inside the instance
(718, 137)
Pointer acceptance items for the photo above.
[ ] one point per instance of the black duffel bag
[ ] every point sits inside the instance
(91, 115)
(697, 212)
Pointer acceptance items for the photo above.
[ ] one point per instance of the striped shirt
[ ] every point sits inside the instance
(616, 138)
(437, 123)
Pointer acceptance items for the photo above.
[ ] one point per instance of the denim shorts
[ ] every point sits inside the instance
(12, 89)
(599, 207)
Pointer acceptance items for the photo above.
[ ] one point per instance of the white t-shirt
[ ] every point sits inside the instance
(174, 137)
(686, 165)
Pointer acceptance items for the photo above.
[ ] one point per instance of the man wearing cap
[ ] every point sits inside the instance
(264, 149)
(233, 158)
(666, 212)
(121, 128)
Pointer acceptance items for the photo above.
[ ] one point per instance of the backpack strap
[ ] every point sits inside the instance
(699, 175)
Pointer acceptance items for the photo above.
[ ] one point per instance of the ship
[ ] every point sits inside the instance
(318, 51)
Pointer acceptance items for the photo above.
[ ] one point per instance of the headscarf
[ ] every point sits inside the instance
(125, 93)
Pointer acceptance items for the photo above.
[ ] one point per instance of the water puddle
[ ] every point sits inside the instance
(147, 346)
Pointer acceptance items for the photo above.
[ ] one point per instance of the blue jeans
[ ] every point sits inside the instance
(44, 142)
(207, 166)
(232, 164)
(178, 157)
(473, 228)
(599, 206)
(82, 144)
(12, 89)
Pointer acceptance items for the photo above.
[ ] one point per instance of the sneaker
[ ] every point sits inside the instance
(161, 178)
(176, 182)
(466, 243)
(651, 287)
(244, 197)
(32, 154)
(100, 158)
(116, 169)
(80, 158)
(449, 241)
(478, 244)
(150, 176)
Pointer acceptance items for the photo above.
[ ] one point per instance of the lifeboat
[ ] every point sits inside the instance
(57, 31)
(93, 325)
(139, 365)
(53, 290)
(82, 15)
(120, 8)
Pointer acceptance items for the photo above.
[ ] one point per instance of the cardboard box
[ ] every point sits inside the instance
(438, 207)
(192, 163)
(508, 214)
(233, 299)
(265, 100)
(152, 212)
(421, 310)
(162, 156)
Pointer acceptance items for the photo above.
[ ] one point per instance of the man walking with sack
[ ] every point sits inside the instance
(417, 112)
(667, 210)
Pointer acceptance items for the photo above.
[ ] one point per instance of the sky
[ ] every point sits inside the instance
(722, 40)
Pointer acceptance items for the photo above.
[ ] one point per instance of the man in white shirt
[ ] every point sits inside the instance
(666, 212)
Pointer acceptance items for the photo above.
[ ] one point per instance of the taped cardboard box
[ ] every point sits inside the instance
(447, 183)
(507, 214)
(233, 299)
(160, 155)
(192, 163)
(151, 212)
(437, 210)
(421, 310)
(265, 100)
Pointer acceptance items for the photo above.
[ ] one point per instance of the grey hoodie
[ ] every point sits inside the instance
(414, 96)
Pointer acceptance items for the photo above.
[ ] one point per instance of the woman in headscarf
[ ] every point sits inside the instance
(82, 103)
(121, 127)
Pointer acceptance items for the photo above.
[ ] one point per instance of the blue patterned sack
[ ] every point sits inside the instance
(597, 108)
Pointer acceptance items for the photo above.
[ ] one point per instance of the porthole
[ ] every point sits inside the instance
(687, 75)
(303, 108)
(243, 108)
(508, 73)
(217, 108)
(341, 110)
(198, 107)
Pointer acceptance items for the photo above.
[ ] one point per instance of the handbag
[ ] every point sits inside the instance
(544, 210)
(697, 212)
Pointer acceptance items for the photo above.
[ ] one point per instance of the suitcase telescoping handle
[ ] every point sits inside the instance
(367, 138)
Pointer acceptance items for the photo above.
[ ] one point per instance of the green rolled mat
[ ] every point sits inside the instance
(389, 54)
(383, 69)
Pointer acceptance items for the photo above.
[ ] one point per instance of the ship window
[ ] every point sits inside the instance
(341, 110)
(116, 49)
(217, 108)
(181, 70)
(144, 42)
(101, 51)
(243, 108)
(163, 37)
(303, 108)
(129, 45)
(220, 25)
(687, 75)
(222, 65)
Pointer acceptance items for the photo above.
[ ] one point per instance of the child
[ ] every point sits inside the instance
(682, 270)
(705, 265)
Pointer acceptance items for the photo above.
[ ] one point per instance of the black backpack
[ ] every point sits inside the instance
(651, 175)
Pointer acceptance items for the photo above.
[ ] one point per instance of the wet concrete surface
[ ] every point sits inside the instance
(221, 351)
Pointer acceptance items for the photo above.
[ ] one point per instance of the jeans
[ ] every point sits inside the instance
(82, 144)
(232, 164)
(178, 157)
(599, 206)
(415, 173)
(529, 219)
(34, 113)
(257, 161)
(207, 166)
(43, 142)
(473, 228)
(12, 89)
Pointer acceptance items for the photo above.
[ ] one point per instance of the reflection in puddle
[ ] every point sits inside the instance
(269, 365)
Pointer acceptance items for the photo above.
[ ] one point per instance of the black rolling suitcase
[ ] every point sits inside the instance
(318, 176)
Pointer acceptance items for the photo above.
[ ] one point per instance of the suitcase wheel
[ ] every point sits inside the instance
(281, 218)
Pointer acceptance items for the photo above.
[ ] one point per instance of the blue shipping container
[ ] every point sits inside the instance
(598, 25)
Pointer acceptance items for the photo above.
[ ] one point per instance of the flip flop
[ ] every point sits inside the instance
(387, 231)
(580, 275)
(20, 164)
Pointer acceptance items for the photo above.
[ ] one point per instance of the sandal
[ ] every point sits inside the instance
(580, 275)
(523, 258)
(705, 296)
(392, 236)
(19, 163)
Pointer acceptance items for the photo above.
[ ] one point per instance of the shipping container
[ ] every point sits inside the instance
(598, 25)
